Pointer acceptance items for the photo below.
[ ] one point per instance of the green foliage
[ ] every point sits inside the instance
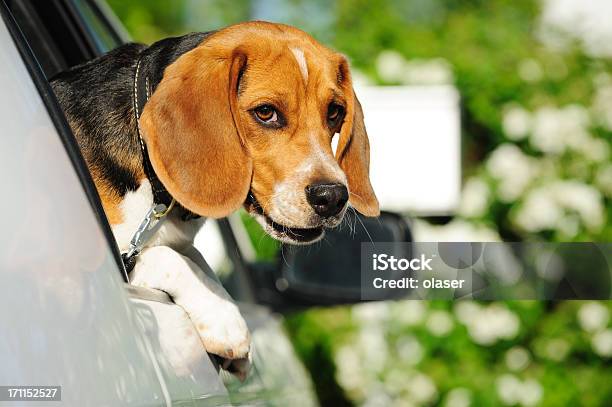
(266, 248)
(547, 358)
(148, 21)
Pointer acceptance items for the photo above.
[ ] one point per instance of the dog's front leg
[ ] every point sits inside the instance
(215, 316)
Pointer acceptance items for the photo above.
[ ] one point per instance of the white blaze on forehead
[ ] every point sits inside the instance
(301, 60)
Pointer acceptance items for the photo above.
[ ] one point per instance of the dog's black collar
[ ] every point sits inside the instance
(142, 93)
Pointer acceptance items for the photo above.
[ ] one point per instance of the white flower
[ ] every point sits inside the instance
(555, 130)
(348, 368)
(530, 70)
(409, 312)
(582, 198)
(439, 323)
(545, 207)
(409, 350)
(377, 398)
(374, 349)
(456, 231)
(509, 389)
(395, 380)
(467, 311)
(602, 343)
(371, 312)
(513, 169)
(422, 389)
(459, 397)
(546, 135)
(531, 393)
(512, 391)
(593, 317)
(503, 321)
(586, 22)
(516, 122)
(517, 358)
(474, 198)
(487, 325)
(427, 72)
(602, 79)
(602, 105)
(390, 66)
(603, 179)
(538, 212)
(569, 225)
(594, 149)
(556, 349)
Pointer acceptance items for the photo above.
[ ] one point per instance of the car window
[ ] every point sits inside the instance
(222, 250)
(53, 33)
(98, 27)
(15, 15)
(75, 158)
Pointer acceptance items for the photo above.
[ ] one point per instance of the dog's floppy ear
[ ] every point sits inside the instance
(353, 152)
(192, 132)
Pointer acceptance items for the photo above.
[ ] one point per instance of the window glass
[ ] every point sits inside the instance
(97, 27)
(209, 242)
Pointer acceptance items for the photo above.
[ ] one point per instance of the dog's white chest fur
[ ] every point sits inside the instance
(174, 232)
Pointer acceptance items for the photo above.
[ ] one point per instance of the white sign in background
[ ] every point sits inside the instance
(415, 147)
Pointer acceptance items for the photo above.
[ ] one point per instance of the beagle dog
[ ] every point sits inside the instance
(243, 116)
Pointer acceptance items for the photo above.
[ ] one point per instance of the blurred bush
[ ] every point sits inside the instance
(413, 353)
(537, 130)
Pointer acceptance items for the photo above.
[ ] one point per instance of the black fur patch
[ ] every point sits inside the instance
(97, 100)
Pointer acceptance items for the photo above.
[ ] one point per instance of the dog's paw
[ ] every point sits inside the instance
(222, 329)
(238, 367)
(215, 316)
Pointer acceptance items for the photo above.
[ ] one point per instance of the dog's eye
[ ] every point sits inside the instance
(266, 114)
(335, 113)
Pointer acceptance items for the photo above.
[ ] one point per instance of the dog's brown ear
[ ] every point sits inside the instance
(353, 152)
(192, 132)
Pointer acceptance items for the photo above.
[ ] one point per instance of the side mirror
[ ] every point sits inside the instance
(329, 272)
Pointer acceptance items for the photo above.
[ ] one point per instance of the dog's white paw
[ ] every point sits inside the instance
(238, 367)
(215, 316)
(221, 327)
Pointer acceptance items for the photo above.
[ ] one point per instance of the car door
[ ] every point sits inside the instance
(69, 318)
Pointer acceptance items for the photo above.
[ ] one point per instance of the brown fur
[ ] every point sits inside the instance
(205, 145)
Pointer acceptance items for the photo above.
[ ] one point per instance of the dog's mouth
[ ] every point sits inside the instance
(285, 234)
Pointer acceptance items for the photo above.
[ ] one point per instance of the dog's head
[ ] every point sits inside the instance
(247, 118)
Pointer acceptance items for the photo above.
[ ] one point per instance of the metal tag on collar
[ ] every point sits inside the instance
(147, 228)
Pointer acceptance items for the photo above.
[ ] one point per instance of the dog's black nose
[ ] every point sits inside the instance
(327, 199)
